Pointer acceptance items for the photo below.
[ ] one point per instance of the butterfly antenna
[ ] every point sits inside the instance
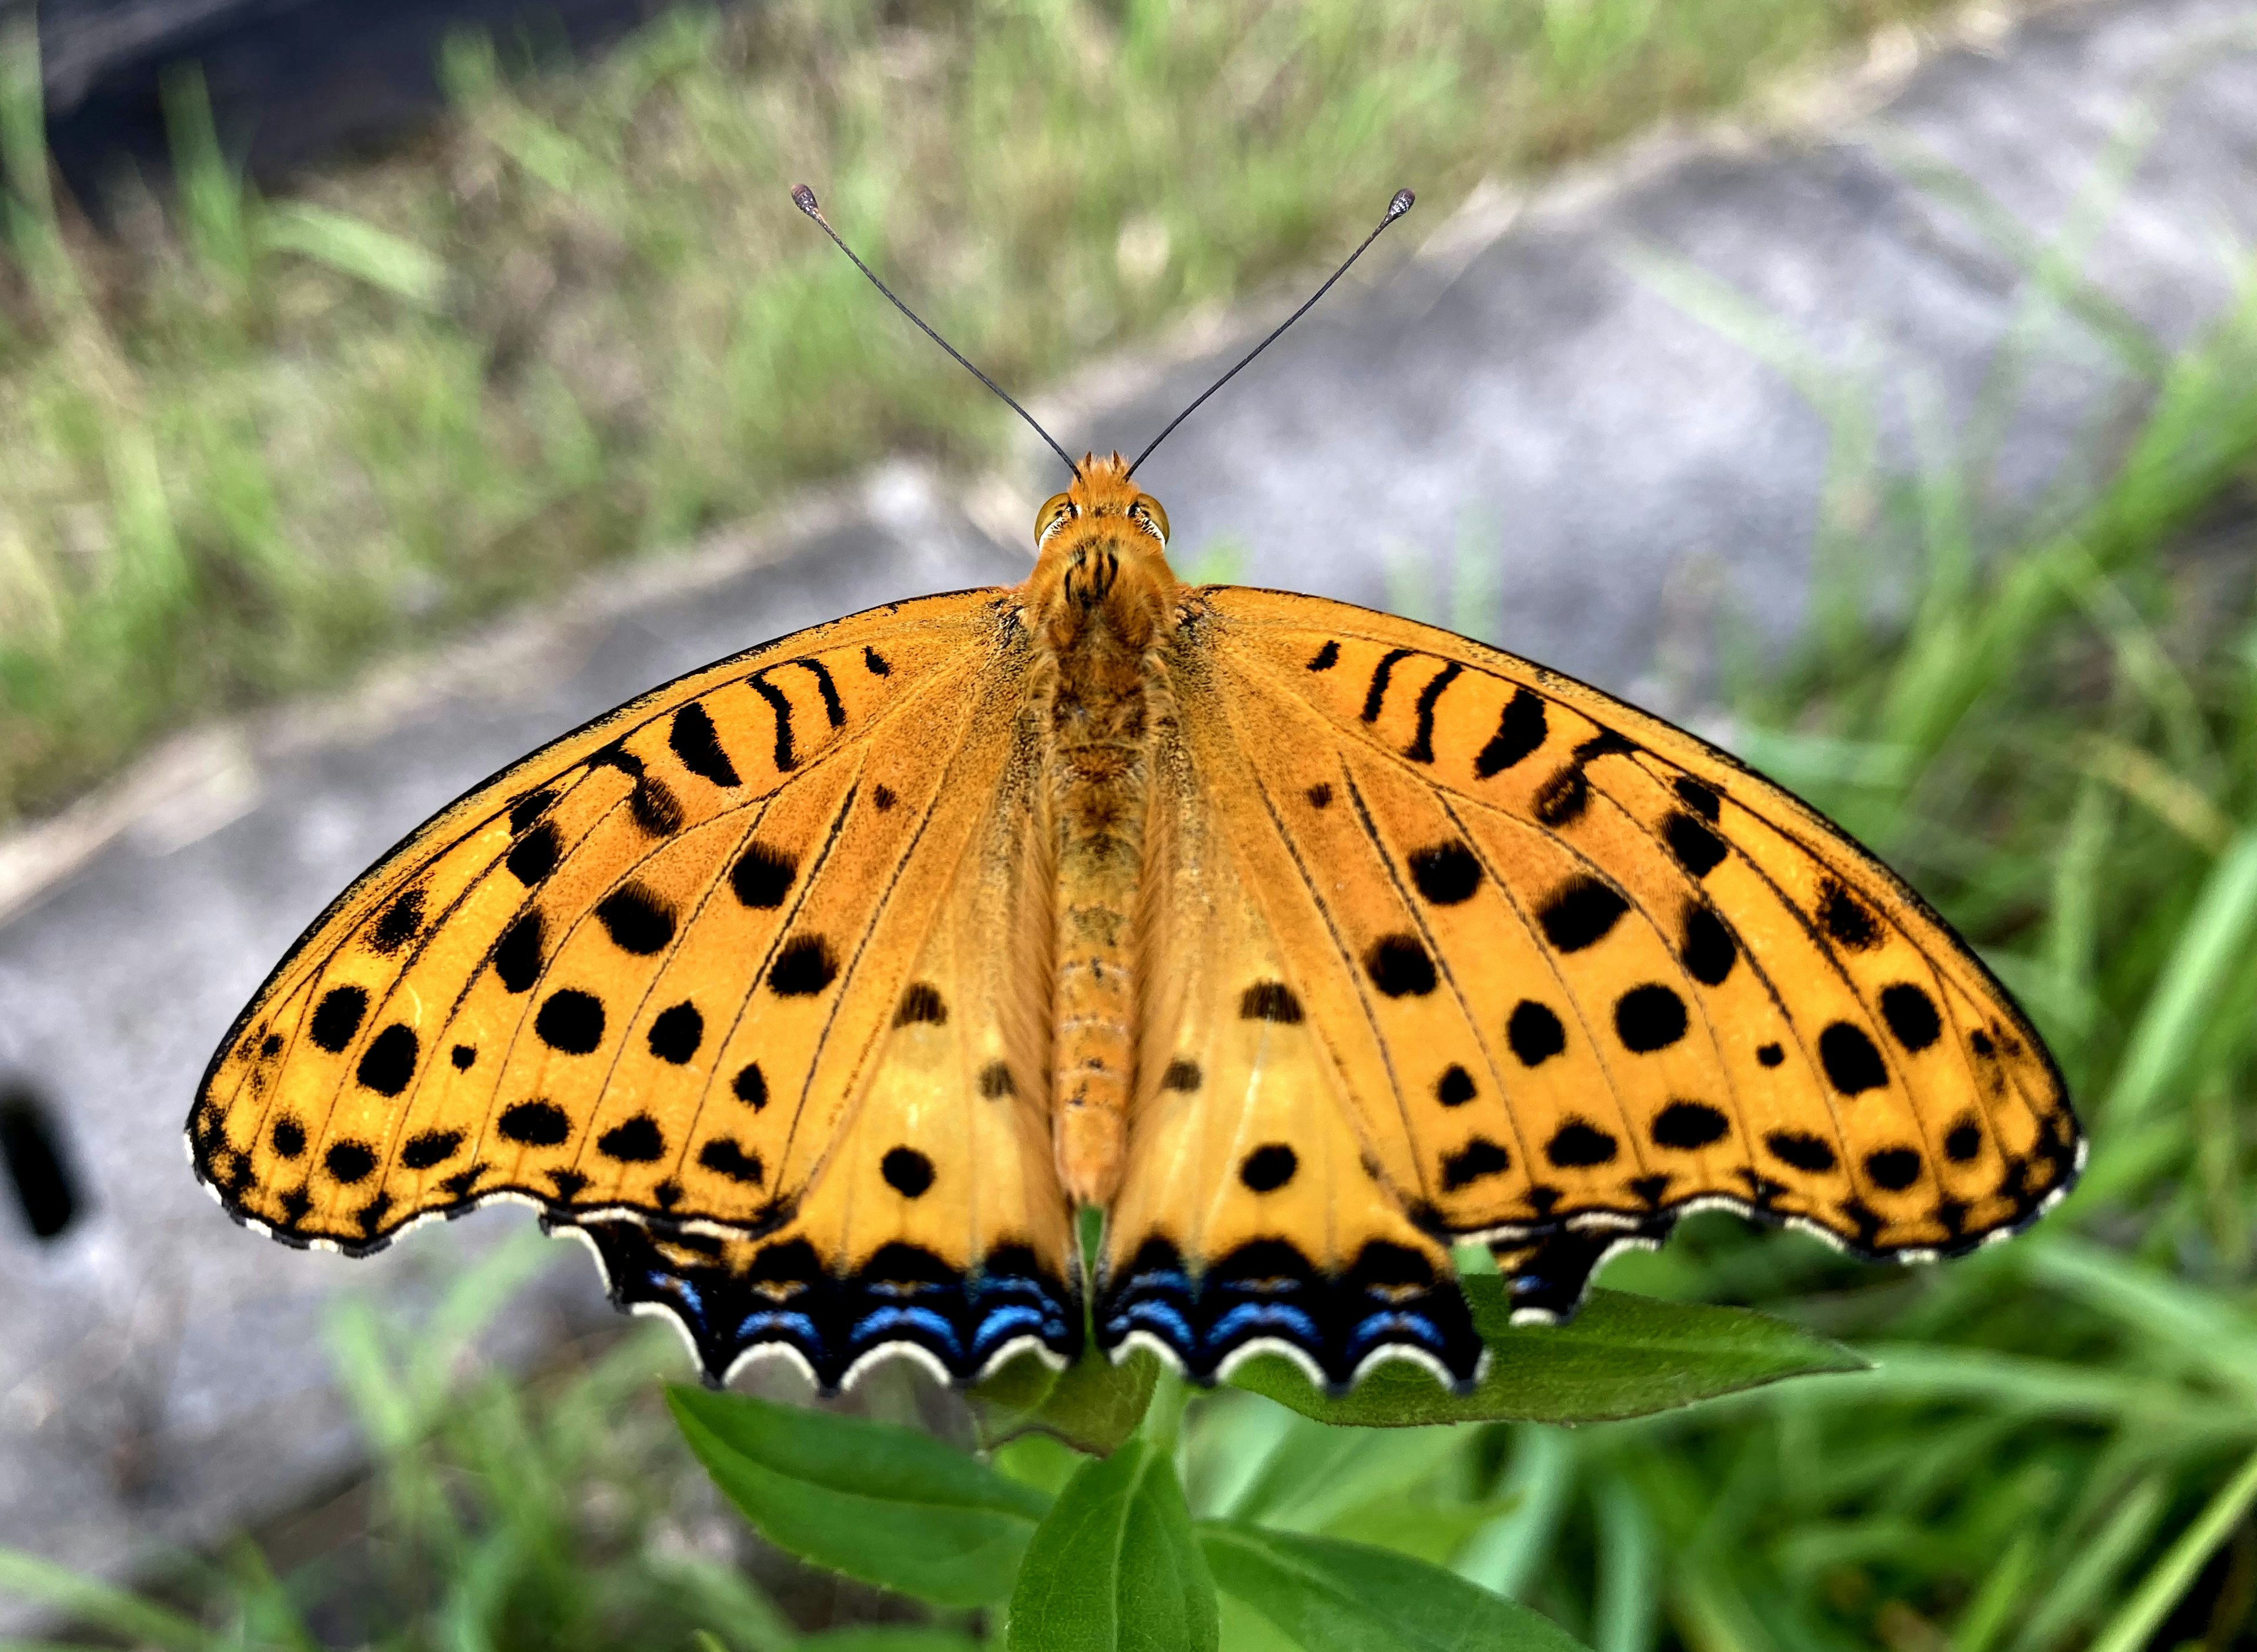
(804, 198)
(1401, 204)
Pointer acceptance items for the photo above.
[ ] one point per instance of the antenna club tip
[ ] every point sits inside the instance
(804, 198)
(1402, 202)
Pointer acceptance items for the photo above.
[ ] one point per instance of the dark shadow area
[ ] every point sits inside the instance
(291, 81)
(39, 1168)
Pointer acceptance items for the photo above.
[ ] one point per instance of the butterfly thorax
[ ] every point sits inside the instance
(1101, 602)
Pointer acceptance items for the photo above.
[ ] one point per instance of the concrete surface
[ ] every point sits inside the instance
(1524, 381)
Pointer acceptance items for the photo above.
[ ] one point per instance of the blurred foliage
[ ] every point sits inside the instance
(247, 442)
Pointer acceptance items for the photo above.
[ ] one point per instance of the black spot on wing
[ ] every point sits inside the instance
(1561, 800)
(1399, 967)
(1480, 1157)
(533, 856)
(1269, 1167)
(534, 1124)
(637, 1141)
(571, 1020)
(289, 1137)
(1519, 731)
(1320, 794)
(723, 1156)
(1182, 1076)
(1580, 913)
(529, 808)
(907, 1171)
(464, 1056)
(1534, 1033)
(337, 1018)
(1684, 1125)
(1576, 1145)
(1801, 1150)
(517, 956)
(349, 1162)
(1770, 1054)
(784, 757)
(399, 924)
(762, 876)
(1853, 1066)
(698, 743)
(1455, 1087)
(1607, 742)
(750, 1086)
(803, 968)
(921, 1004)
(1911, 1015)
(676, 1034)
(1702, 800)
(1375, 696)
(1326, 657)
(1709, 951)
(389, 1061)
(654, 807)
(638, 919)
(1268, 1001)
(1649, 1018)
(1421, 749)
(420, 1152)
(1446, 874)
(1895, 1168)
(1698, 849)
(875, 663)
(1846, 918)
(995, 1081)
(833, 712)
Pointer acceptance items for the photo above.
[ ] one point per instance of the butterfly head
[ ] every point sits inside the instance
(1104, 501)
(1102, 543)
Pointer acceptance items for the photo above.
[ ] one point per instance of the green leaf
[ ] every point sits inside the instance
(1116, 1565)
(1093, 1405)
(886, 1505)
(1335, 1597)
(1624, 1356)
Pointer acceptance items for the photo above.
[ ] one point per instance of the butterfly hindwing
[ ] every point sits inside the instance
(650, 979)
(1576, 971)
(1254, 1215)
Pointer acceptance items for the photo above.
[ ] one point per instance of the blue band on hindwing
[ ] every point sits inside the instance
(903, 1294)
(1267, 1291)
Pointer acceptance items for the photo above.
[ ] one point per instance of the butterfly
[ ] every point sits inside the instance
(817, 990)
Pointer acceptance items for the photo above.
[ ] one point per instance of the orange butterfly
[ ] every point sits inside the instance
(816, 990)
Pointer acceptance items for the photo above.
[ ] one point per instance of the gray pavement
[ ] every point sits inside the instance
(1535, 383)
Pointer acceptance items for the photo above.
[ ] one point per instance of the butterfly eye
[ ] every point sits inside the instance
(1057, 510)
(1147, 509)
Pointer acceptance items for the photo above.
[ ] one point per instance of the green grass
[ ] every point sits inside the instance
(252, 441)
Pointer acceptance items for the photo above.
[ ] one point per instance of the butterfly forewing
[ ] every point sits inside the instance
(608, 978)
(1610, 973)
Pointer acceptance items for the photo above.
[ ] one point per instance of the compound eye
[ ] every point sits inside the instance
(1148, 508)
(1057, 510)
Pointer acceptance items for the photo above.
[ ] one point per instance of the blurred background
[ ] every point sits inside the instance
(1871, 384)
